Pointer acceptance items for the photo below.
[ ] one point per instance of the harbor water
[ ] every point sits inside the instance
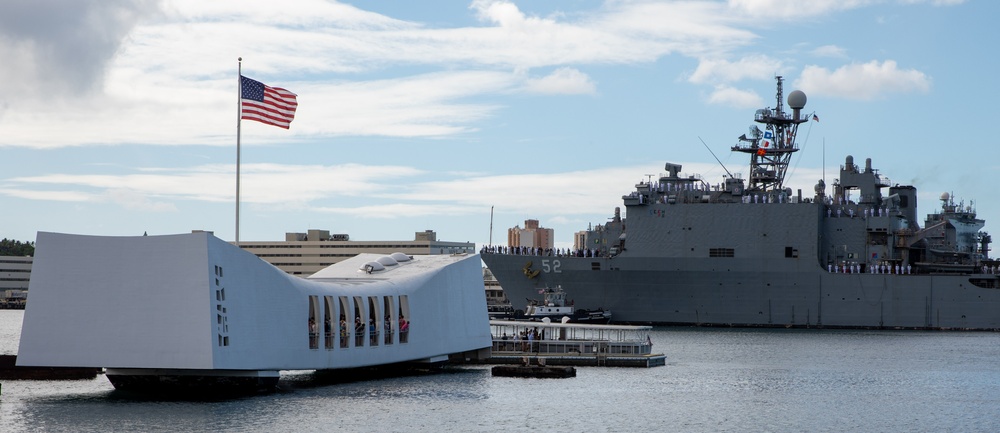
(715, 380)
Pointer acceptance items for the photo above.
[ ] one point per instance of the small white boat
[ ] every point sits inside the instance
(573, 344)
(557, 308)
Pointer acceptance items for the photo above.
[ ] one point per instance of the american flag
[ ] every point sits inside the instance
(265, 104)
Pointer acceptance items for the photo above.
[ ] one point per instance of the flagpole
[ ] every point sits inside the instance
(239, 114)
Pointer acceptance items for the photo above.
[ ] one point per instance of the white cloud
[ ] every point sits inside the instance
(133, 200)
(160, 189)
(566, 81)
(789, 9)
(786, 9)
(426, 105)
(503, 13)
(155, 188)
(717, 71)
(35, 194)
(865, 81)
(388, 211)
(726, 95)
(55, 49)
(696, 29)
(934, 2)
(830, 51)
(171, 79)
(300, 14)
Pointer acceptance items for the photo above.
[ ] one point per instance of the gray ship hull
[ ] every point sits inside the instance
(645, 290)
(752, 252)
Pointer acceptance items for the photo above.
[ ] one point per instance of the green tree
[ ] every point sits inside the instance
(10, 247)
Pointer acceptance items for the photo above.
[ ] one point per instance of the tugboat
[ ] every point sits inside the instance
(555, 307)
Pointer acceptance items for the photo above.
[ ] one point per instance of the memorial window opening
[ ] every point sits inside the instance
(404, 319)
(373, 321)
(359, 322)
(389, 323)
(313, 325)
(329, 309)
(344, 325)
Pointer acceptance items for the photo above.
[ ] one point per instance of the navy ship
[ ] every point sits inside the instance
(753, 252)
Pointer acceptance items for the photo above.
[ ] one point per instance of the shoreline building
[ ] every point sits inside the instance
(304, 254)
(580, 240)
(497, 303)
(532, 235)
(15, 272)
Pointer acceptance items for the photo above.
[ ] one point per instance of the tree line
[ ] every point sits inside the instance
(10, 247)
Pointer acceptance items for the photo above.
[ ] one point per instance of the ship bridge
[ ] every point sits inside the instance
(869, 182)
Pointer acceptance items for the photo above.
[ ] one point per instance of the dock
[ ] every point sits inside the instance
(534, 371)
(10, 371)
(572, 344)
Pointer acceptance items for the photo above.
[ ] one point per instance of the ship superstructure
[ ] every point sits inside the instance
(754, 252)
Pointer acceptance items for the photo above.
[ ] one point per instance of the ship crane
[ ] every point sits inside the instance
(771, 149)
(908, 238)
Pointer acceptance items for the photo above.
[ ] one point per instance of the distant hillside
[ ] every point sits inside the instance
(10, 247)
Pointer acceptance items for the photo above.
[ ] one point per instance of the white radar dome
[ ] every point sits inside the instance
(797, 99)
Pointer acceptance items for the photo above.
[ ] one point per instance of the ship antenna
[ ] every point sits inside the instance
(771, 149)
(716, 158)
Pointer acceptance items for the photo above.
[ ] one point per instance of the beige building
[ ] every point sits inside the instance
(15, 271)
(579, 240)
(306, 253)
(532, 235)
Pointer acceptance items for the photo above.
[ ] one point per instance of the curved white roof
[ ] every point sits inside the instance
(400, 257)
(371, 266)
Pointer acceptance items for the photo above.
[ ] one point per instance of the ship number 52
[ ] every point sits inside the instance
(551, 267)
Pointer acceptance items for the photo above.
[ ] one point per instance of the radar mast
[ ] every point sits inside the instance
(771, 149)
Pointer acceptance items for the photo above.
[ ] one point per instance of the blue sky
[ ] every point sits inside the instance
(119, 117)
